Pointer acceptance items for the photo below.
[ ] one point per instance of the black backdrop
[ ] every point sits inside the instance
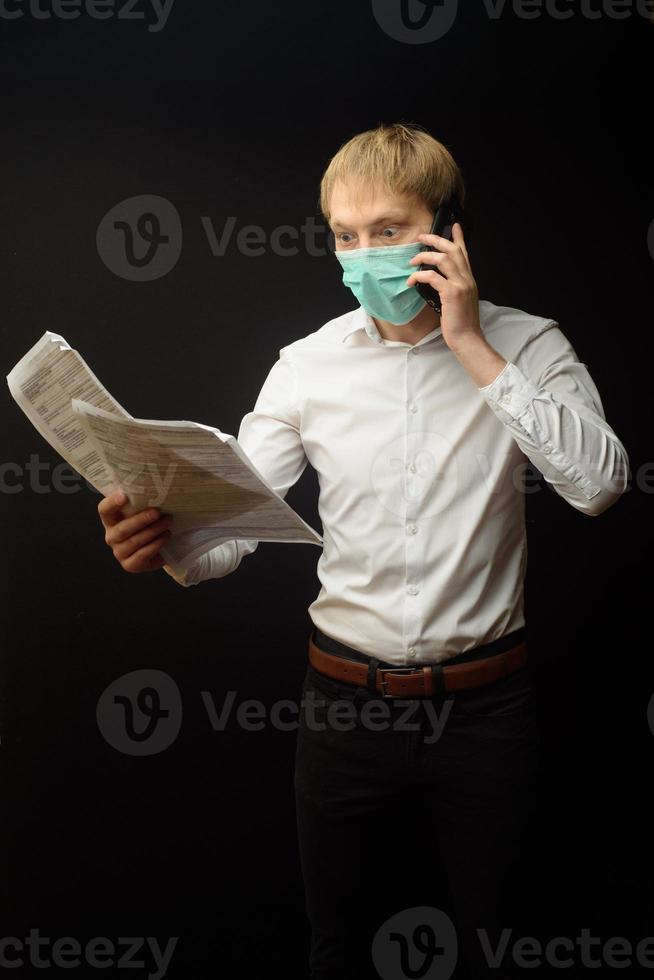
(233, 111)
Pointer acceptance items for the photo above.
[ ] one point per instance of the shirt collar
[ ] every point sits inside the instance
(360, 320)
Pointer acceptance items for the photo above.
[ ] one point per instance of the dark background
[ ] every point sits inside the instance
(235, 110)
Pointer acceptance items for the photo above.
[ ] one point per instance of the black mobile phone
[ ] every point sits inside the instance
(446, 216)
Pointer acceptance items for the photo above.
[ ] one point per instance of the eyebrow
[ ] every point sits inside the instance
(384, 217)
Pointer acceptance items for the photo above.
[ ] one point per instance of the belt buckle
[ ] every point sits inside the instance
(394, 670)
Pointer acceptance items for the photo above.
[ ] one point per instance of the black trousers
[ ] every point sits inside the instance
(413, 818)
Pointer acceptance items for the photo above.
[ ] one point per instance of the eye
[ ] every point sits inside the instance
(345, 237)
(390, 228)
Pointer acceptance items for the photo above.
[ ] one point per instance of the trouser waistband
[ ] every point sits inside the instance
(498, 645)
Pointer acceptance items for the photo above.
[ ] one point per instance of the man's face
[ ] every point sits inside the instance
(379, 219)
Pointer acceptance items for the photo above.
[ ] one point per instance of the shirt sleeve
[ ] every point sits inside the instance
(270, 437)
(549, 401)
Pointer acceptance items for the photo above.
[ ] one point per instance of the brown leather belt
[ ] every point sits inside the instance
(417, 682)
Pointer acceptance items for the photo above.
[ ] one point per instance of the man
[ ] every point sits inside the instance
(419, 426)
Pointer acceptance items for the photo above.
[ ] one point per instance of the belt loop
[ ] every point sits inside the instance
(371, 679)
(438, 679)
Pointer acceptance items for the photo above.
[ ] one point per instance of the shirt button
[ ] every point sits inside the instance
(412, 528)
(415, 350)
(411, 652)
(413, 408)
(412, 589)
(505, 399)
(547, 447)
(412, 468)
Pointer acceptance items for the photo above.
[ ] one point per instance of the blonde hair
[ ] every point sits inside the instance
(404, 158)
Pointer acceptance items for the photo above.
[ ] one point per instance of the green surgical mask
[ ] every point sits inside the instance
(377, 277)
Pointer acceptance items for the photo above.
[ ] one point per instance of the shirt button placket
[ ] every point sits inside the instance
(412, 543)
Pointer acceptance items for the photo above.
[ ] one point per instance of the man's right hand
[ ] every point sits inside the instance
(135, 537)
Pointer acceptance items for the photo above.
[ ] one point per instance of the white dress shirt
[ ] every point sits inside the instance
(421, 475)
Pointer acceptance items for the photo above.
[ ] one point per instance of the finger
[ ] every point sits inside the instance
(425, 257)
(110, 506)
(146, 558)
(116, 507)
(131, 525)
(453, 252)
(127, 547)
(428, 275)
(442, 244)
(445, 262)
(459, 239)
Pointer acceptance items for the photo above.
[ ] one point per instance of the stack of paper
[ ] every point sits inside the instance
(196, 473)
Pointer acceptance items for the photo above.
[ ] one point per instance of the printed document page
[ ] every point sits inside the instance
(196, 473)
